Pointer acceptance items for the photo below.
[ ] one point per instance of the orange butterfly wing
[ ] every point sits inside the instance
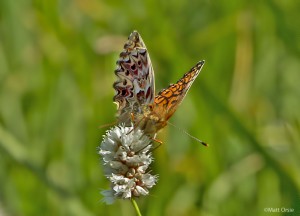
(168, 100)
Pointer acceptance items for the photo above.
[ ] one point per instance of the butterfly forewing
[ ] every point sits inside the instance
(168, 100)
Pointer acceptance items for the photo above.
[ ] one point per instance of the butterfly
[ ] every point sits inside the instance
(135, 86)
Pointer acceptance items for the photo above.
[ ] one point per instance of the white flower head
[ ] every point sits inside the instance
(126, 159)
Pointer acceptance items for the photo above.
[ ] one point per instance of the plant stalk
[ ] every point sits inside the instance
(136, 207)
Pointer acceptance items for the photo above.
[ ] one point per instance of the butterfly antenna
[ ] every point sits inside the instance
(194, 138)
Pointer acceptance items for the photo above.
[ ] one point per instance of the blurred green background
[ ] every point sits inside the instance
(57, 61)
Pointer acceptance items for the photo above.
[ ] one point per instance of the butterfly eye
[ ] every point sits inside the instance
(150, 107)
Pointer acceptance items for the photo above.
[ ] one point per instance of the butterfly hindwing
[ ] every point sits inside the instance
(135, 84)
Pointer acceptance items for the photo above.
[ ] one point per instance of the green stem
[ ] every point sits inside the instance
(136, 207)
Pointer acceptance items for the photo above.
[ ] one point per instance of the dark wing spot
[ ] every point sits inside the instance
(148, 92)
(124, 92)
(140, 96)
(133, 67)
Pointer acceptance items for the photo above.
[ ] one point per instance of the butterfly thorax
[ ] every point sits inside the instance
(153, 119)
(145, 118)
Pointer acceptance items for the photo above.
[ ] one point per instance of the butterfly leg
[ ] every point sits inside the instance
(107, 125)
(135, 123)
(156, 147)
(158, 141)
(132, 120)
